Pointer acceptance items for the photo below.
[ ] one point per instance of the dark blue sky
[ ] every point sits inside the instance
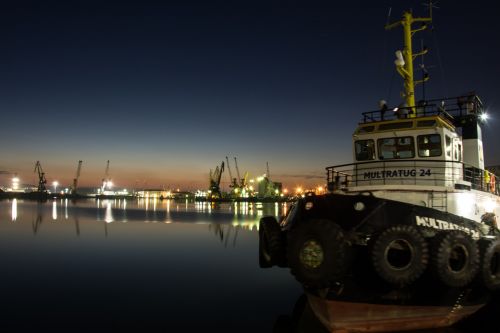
(166, 90)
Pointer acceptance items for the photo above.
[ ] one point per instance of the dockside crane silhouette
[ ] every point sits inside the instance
(75, 180)
(41, 177)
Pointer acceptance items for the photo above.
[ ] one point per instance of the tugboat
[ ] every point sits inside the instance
(406, 237)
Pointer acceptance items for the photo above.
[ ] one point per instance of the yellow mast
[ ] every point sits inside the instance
(404, 61)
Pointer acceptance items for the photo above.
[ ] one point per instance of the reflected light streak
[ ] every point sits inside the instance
(66, 216)
(254, 225)
(14, 210)
(244, 208)
(108, 215)
(54, 210)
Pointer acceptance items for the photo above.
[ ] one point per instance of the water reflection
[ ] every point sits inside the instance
(108, 215)
(66, 209)
(155, 210)
(225, 232)
(37, 219)
(14, 210)
(243, 214)
(54, 210)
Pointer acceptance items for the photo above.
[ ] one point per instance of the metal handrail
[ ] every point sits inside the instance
(416, 172)
(449, 109)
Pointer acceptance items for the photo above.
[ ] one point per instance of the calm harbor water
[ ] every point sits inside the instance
(162, 266)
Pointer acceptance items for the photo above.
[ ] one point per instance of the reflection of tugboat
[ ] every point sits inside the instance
(407, 237)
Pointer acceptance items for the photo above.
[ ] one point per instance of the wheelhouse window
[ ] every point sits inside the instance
(448, 145)
(396, 148)
(366, 129)
(429, 145)
(458, 153)
(365, 150)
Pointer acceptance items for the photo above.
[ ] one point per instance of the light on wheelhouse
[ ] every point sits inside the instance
(484, 117)
(489, 206)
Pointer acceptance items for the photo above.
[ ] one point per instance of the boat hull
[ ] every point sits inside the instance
(345, 316)
(371, 264)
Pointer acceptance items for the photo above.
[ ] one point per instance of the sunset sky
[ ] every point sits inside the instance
(166, 90)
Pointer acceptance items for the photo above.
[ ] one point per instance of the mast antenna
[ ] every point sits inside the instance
(431, 5)
(388, 16)
(404, 61)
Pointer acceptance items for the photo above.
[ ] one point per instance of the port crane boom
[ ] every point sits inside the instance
(41, 177)
(215, 181)
(238, 173)
(232, 181)
(75, 180)
(229, 170)
(105, 180)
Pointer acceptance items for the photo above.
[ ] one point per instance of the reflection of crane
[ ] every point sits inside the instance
(105, 180)
(41, 177)
(36, 223)
(75, 180)
(223, 235)
(215, 181)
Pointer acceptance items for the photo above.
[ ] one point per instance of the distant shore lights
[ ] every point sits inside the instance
(15, 183)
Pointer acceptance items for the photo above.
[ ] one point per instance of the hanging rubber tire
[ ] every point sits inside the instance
(318, 253)
(271, 243)
(399, 254)
(455, 260)
(489, 267)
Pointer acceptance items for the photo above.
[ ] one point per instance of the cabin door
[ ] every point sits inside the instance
(456, 156)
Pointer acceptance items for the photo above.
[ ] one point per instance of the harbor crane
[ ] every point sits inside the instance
(215, 177)
(232, 181)
(242, 181)
(106, 182)
(75, 180)
(237, 170)
(41, 177)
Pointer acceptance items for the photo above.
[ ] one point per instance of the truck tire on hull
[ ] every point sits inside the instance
(489, 268)
(399, 254)
(271, 243)
(455, 260)
(317, 253)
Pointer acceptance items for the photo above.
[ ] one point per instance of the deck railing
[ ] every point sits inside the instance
(451, 109)
(411, 172)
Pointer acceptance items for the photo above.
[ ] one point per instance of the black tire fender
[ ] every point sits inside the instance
(271, 243)
(399, 254)
(455, 260)
(318, 253)
(489, 267)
